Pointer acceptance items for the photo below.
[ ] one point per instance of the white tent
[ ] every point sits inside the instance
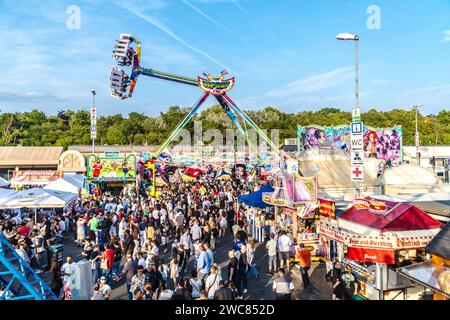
(6, 195)
(40, 198)
(4, 183)
(70, 183)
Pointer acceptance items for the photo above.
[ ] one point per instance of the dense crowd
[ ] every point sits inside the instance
(129, 237)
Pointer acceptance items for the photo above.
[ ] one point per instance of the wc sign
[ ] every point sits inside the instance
(357, 142)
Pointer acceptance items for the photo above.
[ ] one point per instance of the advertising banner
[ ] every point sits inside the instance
(382, 144)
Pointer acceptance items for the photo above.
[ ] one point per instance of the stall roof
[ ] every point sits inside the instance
(427, 275)
(398, 217)
(30, 156)
(255, 199)
(440, 245)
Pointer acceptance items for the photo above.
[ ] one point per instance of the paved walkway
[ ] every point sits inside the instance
(258, 289)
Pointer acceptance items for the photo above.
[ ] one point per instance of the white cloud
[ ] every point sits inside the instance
(314, 83)
(447, 36)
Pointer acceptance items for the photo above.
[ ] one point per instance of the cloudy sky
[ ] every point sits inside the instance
(283, 53)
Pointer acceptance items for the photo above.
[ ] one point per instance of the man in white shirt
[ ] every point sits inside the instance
(163, 216)
(284, 242)
(196, 231)
(67, 269)
(212, 282)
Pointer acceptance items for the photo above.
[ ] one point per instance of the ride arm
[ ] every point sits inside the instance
(182, 124)
(169, 77)
(247, 119)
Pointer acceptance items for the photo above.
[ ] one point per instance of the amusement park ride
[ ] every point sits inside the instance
(127, 52)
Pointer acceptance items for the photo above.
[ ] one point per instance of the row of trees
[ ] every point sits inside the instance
(35, 128)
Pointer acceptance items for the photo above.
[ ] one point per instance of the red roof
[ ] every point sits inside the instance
(398, 217)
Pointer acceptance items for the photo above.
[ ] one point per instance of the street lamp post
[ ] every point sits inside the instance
(416, 108)
(356, 114)
(93, 121)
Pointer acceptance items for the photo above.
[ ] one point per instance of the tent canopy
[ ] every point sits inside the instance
(6, 195)
(3, 183)
(255, 199)
(39, 198)
(440, 245)
(398, 217)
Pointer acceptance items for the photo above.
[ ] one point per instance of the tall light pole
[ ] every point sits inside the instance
(416, 108)
(355, 38)
(356, 113)
(93, 121)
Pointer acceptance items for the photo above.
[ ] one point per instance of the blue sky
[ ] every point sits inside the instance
(283, 53)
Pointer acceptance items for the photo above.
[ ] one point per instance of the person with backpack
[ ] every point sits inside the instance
(333, 276)
(212, 282)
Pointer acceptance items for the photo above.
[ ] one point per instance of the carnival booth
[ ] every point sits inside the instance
(110, 174)
(295, 201)
(433, 275)
(374, 239)
(258, 213)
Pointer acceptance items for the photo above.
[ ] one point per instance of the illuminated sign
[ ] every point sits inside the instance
(216, 85)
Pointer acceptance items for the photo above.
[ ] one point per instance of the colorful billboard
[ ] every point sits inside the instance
(111, 169)
(382, 144)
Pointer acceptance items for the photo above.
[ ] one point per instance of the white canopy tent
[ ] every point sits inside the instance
(4, 183)
(39, 199)
(6, 195)
(70, 183)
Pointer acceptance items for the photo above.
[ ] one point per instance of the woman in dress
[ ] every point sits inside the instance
(174, 270)
(80, 230)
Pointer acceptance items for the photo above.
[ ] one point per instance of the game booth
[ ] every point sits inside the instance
(375, 239)
(295, 201)
(110, 174)
(259, 214)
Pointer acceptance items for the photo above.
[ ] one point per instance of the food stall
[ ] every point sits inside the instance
(433, 275)
(375, 239)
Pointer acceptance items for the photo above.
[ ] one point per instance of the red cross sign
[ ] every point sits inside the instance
(357, 172)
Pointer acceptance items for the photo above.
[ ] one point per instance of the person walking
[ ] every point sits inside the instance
(304, 257)
(57, 283)
(271, 247)
(224, 293)
(283, 244)
(333, 276)
(130, 270)
(174, 270)
(212, 282)
(283, 287)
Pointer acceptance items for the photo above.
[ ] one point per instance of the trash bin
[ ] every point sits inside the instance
(57, 252)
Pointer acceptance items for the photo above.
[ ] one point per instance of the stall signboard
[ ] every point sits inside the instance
(371, 255)
(110, 169)
(372, 242)
(275, 202)
(374, 206)
(327, 209)
(31, 177)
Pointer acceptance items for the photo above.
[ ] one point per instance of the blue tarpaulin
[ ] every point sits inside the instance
(255, 199)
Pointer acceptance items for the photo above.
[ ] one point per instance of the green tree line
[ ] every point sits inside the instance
(35, 128)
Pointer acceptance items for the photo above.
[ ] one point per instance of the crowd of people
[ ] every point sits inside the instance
(164, 247)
